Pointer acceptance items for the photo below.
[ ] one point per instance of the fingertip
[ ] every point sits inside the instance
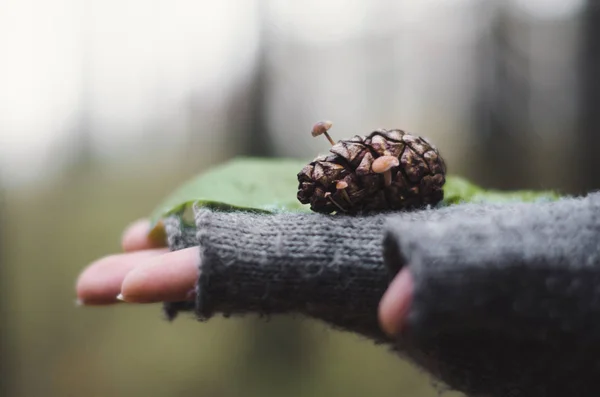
(167, 278)
(395, 304)
(137, 236)
(100, 282)
(134, 235)
(96, 284)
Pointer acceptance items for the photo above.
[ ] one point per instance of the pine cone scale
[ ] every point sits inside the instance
(352, 152)
(414, 165)
(386, 147)
(417, 144)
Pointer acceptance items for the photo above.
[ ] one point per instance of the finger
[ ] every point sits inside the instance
(166, 278)
(138, 237)
(395, 303)
(100, 282)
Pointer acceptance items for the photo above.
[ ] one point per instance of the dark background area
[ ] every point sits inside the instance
(105, 107)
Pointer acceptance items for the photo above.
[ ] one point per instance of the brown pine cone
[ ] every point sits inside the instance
(387, 170)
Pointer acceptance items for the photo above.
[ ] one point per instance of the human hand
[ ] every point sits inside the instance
(145, 273)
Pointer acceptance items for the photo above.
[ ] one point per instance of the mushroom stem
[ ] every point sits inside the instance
(329, 196)
(383, 165)
(387, 178)
(346, 197)
(341, 187)
(329, 138)
(321, 129)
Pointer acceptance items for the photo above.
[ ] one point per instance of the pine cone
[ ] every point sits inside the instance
(353, 178)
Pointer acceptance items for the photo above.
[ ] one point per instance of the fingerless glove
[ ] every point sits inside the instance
(506, 299)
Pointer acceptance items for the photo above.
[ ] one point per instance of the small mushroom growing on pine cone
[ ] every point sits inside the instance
(383, 165)
(341, 187)
(348, 180)
(321, 128)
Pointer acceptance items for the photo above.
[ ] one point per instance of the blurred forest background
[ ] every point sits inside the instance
(106, 106)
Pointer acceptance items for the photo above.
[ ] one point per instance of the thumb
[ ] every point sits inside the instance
(395, 303)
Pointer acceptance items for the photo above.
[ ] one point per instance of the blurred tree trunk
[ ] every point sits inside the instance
(5, 351)
(246, 119)
(258, 142)
(588, 177)
(276, 352)
(501, 105)
(248, 114)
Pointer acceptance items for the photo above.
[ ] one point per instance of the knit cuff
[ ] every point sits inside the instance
(326, 267)
(505, 303)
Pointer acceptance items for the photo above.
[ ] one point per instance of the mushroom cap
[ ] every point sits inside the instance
(341, 185)
(385, 163)
(321, 127)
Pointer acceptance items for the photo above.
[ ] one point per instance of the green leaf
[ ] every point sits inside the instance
(270, 185)
(459, 190)
(251, 184)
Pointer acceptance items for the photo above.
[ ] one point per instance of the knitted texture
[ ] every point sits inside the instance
(326, 267)
(506, 303)
(329, 268)
(506, 299)
(179, 237)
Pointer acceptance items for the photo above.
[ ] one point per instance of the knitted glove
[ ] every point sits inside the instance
(326, 267)
(505, 299)
(506, 303)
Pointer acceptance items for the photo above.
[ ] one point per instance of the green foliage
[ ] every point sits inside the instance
(250, 184)
(270, 185)
(459, 190)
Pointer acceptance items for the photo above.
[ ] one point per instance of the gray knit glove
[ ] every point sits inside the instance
(506, 303)
(326, 267)
(506, 299)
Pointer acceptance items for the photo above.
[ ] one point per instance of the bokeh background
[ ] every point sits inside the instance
(106, 106)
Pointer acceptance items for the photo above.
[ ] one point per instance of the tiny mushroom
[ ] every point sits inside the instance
(341, 187)
(328, 196)
(383, 165)
(321, 128)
